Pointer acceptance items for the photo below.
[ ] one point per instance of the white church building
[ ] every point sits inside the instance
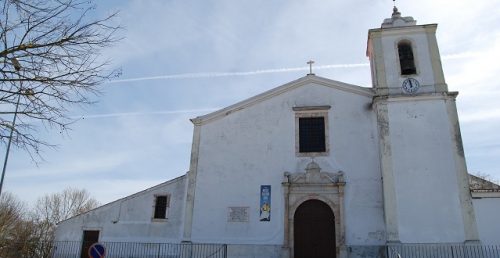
(321, 168)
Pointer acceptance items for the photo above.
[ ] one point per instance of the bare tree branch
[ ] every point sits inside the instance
(30, 234)
(60, 206)
(53, 48)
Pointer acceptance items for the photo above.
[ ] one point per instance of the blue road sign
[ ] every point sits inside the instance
(97, 251)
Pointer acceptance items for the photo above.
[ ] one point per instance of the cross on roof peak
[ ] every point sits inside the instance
(310, 63)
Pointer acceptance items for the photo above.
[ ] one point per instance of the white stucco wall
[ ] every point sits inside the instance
(254, 146)
(130, 219)
(487, 214)
(425, 173)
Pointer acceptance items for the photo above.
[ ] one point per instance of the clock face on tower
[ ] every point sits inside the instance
(410, 86)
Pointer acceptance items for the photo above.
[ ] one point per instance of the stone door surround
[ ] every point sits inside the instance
(313, 184)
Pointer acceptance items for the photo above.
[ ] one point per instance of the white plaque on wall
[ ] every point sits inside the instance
(238, 214)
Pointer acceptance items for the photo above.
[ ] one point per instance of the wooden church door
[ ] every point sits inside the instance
(314, 230)
(90, 237)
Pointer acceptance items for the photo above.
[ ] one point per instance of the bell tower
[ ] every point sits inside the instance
(425, 179)
(404, 57)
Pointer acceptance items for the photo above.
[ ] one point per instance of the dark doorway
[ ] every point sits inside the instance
(314, 230)
(90, 237)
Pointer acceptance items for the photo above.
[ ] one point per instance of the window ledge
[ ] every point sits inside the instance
(311, 108)
(312, 154)
(159, 220)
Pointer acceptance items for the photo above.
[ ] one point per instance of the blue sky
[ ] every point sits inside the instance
(211, 54)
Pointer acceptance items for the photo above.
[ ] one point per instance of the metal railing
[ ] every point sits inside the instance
(442, 251)
(195, 250)
(424, 251)
(72, 249)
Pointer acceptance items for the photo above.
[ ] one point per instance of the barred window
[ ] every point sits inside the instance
(311, 131)
(312, 134)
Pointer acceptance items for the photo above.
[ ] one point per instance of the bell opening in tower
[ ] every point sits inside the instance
(406, 59)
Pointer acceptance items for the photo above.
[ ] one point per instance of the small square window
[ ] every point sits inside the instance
(312, 134)
(161, 207)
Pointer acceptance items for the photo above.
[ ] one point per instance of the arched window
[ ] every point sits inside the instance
(406, 59)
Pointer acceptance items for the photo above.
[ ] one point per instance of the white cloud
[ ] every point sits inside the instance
(78, 166)
(481, 116)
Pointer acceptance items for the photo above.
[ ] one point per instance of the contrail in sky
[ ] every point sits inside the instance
(278, 70)
(164, 112)
(206, 75)
(226, 74)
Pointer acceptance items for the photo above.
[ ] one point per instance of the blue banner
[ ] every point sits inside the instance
(265, 203)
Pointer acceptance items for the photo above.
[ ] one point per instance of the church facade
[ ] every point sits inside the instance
(320, 168)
